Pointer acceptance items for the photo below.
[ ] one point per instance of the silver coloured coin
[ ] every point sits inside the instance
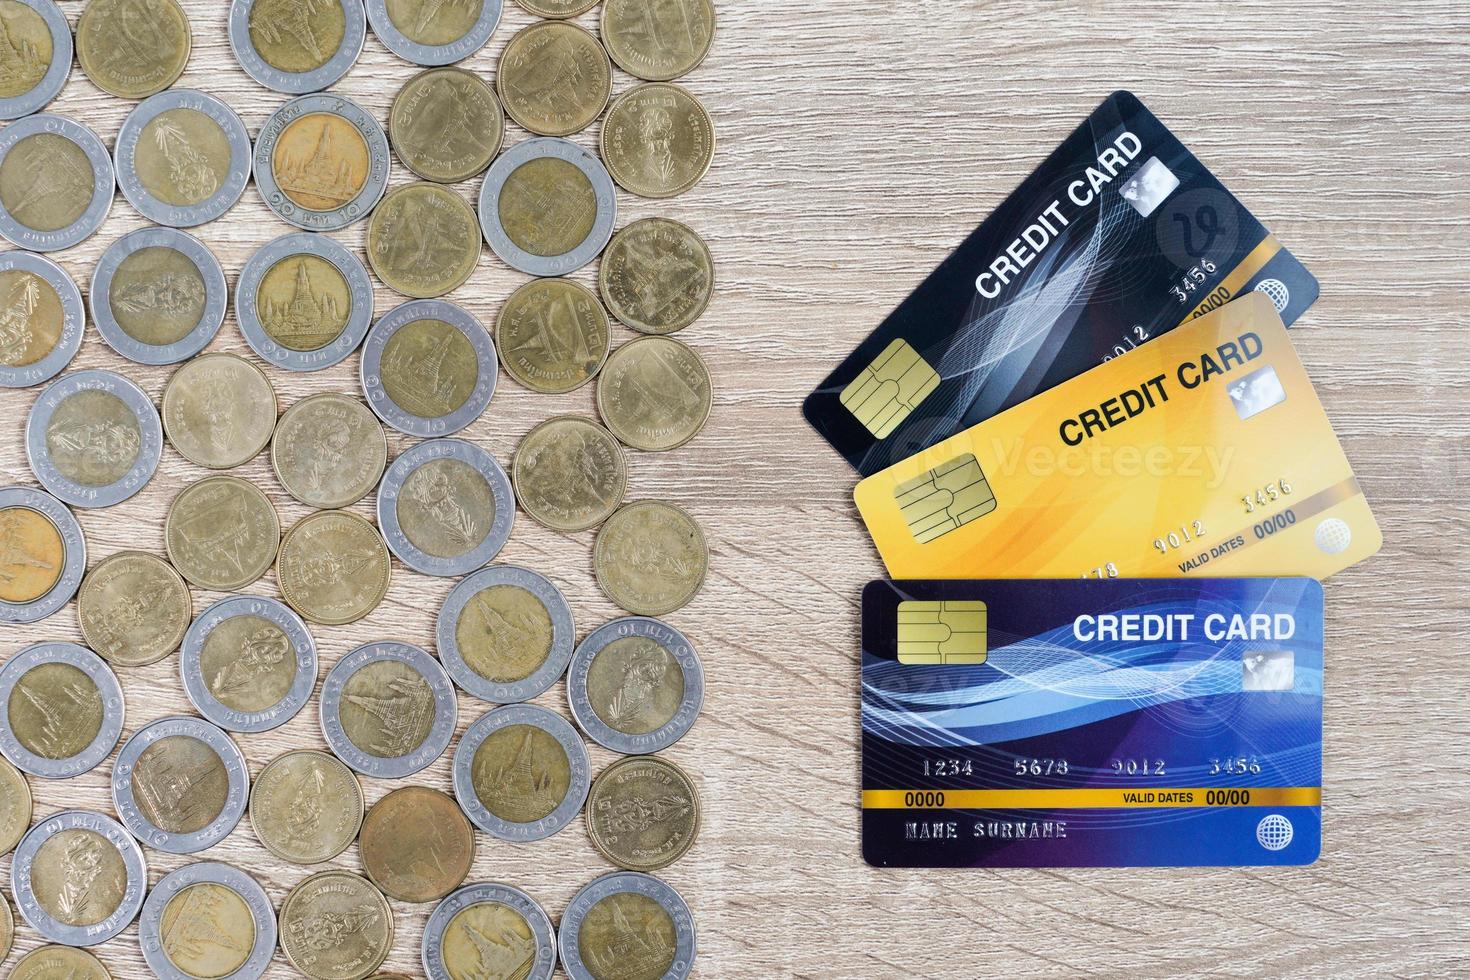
(104, 303)
(635, 883)
(672, 642)
(14, 228)
(250, 316)
(113, 835)
(512, 160)
(103, 442)
(552, 724)
(136, 799)
(228, 191)
(54, 79)
(299, 647)
(563, 634)
(14, 556)
(16, 330)
(483, 540)
(371, 367)
(269, 183)
(198, 924)
(105, 702)
(279, 22)
(433, 54)
(543, 964)
(394, 712)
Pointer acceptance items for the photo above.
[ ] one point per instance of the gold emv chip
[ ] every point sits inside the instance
(890, 388)
(949, 496)
(941, 632)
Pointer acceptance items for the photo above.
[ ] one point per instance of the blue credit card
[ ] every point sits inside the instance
(1077, 722)
(1120, 235)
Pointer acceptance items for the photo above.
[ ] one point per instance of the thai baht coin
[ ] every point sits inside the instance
(627, 924)
(388, 709)
(40, 59)
(423, 240)
(221, 533)
(643, 813)
(432, 32)
(93, 438)
(59, 963)
(180, 784)
(248, 664)
(333, 567)
(306, 807)
(133, 608)
(454, 944)
(446, 507)
(56, 182)
(658, 41)
(15, 807)
(321, 161)
(428, 368)
(635, 685)
(207, 920)
(547, 207)
(552, 335)
(158, 295)
(416, 844)
(336, 926)
(297, 46)
(570, 473)
(42, 555)
(329, 450)
(131, 49)
(78, 878)
(521, 772)
(657, 275)
(41, 319)
(304, 302)
(61, 710)
(446, 124)
(650, 557)
(182, 158)
(655, 394)
(554, 78)
(219, 410)
(505, 634)
(658, 140)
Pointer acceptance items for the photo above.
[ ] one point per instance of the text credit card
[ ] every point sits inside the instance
(1205, 452)
(1120, 235)
(1072, 723)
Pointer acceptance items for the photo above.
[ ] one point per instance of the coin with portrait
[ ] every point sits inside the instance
(219, 410)
(657, 276)
(658, 140)
(221, 533)
(552, 335)
(433, 32)
(570, 473)
(248, 664)
(446, 507)
(78, 877)
(329, 450)
(446, 124)
(93, 438)
(158, 295)
(635, 685)
(554, 78)
(133, 48)
(133, 608)
(41, 319)
(423, 240)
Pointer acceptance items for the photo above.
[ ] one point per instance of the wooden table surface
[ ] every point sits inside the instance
(858, 142)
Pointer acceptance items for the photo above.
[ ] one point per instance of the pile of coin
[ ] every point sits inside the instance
(446, 507)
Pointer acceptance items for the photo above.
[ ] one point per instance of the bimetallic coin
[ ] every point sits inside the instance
(56, 182)
(655, 394)
(158, 296)
(521, 772)
(42, 555)
(446, 124)
(133, 609)
(557, 9)
(221, 533)
(635, 685)
(59, 963)
(304, 302)
(658, 140)
(62, 710)
(554, 79)
(570, 473)
(306, 807)
(180, 784)
(416, 844)
(329, 450)
(336, 926)
(428, 368)
(248, 664)
(446, 507)
(505, 634)
(524, 942)
(547, 207)
(321, 161)
(206, 921)
(334, 567)
(432, 32)
(93, 438)
(133, 49)
(78, 878)
(297, 46)
(183, 158)
(643, 813)
(627, 926)
(423, 240)
(219, 410)
(15, 808)
(650, 557)
(39, 59)
(658, 41)
(41, 318)
(656, 276)
(388, 709)
(552, 335)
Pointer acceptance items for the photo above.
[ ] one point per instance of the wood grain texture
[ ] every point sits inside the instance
(859, 142)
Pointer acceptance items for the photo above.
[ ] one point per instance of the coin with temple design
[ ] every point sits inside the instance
(297, 46)
(207, 920)
(180, 784)
(521, 772)
(133, 48)
(455, 939)
(321, 162)
(627, 925)
(41, 51)
(388, 709)
(56, 182)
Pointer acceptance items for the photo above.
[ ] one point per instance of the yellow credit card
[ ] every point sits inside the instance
(1203, 452)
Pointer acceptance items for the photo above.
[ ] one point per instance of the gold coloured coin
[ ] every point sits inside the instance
(660, 40)
(643, 813)
(7, 928)
(569, 473)
(306, 807)
(521, 773)
(46, 182)
(321, 161)
(557, 9)
(221, 533)
(59, 963)
(627, 936)
(334, 567)
(656, 276)
(93, 438)
(32, 555)
(30, 48)
(329, 450)
(78, 877)
(304, 302)
(658, 140)
(654, 394)
(219, 410)
(650, 557)
(336, 926)
(553, 335)
(423, 240)
(133, 48)
(31, 317)
(297, 36)
(446, 124)
(134, 609)
(417, 845)
(182, 157)
(15, 807)
(434, 23)
(547, 206)
(554, 78)
(207, 931)
(56, 711)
